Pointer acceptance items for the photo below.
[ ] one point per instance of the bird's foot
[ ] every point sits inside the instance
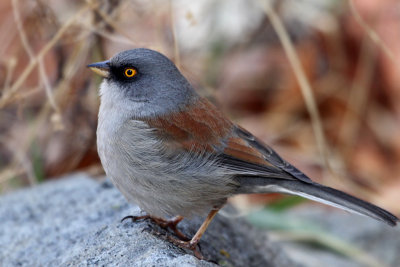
(183, 242)
(163, 223)
(190, 245)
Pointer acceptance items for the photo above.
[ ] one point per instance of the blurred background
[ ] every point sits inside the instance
(340, 124)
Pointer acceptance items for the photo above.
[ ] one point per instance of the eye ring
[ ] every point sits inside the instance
(130, 72)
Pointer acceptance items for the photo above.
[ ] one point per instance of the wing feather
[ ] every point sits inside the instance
(205, 129)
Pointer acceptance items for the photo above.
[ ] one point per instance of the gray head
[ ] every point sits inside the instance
(145, 82)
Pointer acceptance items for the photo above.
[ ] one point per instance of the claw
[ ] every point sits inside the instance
(193, 246)
(135, 218)
(165, 224)
(183, 242)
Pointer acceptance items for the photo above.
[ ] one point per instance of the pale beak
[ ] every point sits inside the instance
(101, 68)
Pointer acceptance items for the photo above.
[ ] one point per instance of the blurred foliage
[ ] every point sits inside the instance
(285, 203)
(349, 52)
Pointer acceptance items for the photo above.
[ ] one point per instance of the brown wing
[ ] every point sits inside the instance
(196, 129)
(205, 128)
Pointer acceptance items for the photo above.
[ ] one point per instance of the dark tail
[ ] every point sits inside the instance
(318, 193)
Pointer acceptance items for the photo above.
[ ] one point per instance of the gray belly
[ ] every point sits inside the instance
(134, 159)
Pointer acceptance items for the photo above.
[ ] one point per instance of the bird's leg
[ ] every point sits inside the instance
(163, 223)
(183, 242)
(196, 238)
(171, 224)
(192, 244)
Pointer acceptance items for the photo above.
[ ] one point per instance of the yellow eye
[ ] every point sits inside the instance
(130, 72)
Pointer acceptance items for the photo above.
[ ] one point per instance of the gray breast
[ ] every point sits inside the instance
(136, 162)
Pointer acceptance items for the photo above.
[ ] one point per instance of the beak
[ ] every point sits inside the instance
(101, 68)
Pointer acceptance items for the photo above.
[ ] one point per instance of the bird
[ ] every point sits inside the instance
(175, 155)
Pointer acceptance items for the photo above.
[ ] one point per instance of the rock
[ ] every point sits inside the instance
(75, 221)
(368, 242)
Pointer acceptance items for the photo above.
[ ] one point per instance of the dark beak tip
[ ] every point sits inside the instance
(99, 65)
(101, 68)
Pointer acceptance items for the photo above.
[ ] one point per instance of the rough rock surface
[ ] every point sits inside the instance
(76, 222)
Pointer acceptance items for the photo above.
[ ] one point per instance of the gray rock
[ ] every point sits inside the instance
(379, 242)
(76, 222)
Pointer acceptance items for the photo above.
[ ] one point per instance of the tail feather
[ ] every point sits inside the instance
(319, 193)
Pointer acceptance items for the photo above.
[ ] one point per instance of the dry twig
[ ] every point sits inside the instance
(373, 35)
(32, 64)
(303, 81)
(29, 51)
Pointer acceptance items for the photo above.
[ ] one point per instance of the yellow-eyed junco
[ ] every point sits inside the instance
(174, 154)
